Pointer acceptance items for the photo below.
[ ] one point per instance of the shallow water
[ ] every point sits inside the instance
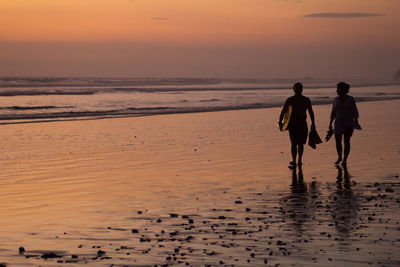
(36, 99)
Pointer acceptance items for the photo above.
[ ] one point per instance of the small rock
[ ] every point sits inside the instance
(50, 255)
(21, 250)
(101, 253)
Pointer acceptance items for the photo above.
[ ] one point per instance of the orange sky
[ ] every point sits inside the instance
(186, 21)
(231, 23)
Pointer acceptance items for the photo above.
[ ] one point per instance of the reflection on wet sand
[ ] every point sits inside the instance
(297, 207)
(344, 203)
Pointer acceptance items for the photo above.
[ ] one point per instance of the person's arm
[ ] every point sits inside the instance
(311, 112)
(333, 115)
(282, 113)
(356, 114)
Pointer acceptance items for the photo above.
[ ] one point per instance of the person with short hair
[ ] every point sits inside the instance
(345, 114)
(298, 129)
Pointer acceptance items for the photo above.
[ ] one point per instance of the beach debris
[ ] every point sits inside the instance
(50, 255)
(21, 250)
(100, 253)
(268, 232)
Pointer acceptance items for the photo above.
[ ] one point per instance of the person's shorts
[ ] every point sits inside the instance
(346, 130)
(298, 133)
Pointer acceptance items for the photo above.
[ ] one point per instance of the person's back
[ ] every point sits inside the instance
(299, 104)
(298, 129)
(345, 112)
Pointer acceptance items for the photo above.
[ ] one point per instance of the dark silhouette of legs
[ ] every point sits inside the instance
(294, 154)
(301, 149)
(297, 148)
(346, 147)
(338, 139)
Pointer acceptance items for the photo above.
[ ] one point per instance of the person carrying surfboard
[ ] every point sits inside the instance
(345, 114)
(297, 125)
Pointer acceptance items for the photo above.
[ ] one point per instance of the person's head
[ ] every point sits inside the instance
(298, 88)
(343, 88)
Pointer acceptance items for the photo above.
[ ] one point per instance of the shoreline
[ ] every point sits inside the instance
(85, 117)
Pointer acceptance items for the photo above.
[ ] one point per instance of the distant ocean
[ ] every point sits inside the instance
(27, 99)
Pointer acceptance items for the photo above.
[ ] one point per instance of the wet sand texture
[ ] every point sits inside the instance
(198, 189)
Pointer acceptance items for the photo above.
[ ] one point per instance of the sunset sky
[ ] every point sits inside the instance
(200, 38)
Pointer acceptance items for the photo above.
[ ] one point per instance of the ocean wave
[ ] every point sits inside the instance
(33, 107)
(79, 81)
(147, 111)
(45, 92)
(210, 100)
(171, 82)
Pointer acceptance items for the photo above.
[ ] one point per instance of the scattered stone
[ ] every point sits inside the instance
(50, 255)
(100, 253)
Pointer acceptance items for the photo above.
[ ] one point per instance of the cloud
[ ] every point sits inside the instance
(160, 18)
(342, 15)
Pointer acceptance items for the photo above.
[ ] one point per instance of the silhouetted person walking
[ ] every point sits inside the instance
(345, 115)
(298, 129)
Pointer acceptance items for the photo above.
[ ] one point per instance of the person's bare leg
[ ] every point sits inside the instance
(338, 139)
(301, 149)
(346, 148)
(294, 154)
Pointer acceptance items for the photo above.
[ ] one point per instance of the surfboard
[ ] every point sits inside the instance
(286, 119)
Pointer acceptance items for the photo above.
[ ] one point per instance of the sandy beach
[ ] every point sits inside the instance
(198, 189)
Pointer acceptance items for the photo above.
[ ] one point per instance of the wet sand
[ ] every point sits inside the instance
(198, 189)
